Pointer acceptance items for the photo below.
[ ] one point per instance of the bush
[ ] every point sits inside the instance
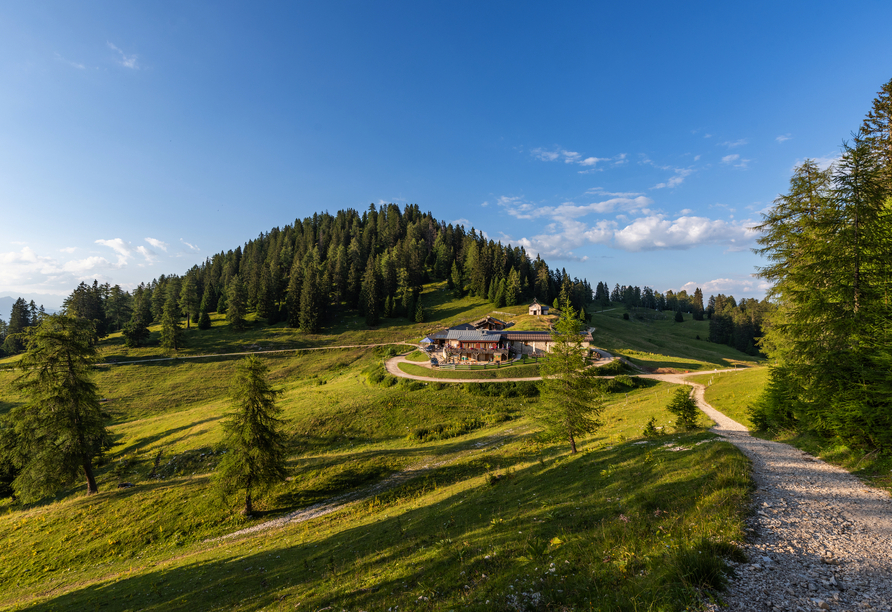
(626, 316)
(679, 318)
(684, 408)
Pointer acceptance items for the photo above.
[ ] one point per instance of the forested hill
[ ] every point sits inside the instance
(374, 262)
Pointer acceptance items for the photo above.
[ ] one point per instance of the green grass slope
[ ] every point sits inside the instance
(489, 516)
(661, 344)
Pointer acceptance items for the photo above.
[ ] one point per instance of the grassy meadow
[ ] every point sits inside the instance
(659, 344)
(453, 498)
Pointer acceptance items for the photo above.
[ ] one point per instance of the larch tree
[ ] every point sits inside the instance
(255, 445)
(55, 436)
(570, 400)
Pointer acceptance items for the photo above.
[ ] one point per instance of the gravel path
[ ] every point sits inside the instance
(821, 538)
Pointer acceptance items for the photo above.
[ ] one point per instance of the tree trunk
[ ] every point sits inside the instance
(249, 510)
(91, 480)
(572, 445)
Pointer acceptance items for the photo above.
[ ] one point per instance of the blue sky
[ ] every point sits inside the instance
(631, 143)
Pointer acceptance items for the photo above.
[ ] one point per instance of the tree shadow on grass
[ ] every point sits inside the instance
(383, 559)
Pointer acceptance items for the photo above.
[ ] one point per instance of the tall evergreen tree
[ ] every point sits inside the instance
(236, 303)
(59, 431)
(171, 331)
(309, 306)
(255, 444)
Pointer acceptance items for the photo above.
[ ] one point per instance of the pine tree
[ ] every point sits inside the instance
(292, 294)
(419, 312)
(54, 437)
(570, 400)
(371, 297)
(309, 307)
(256, 449)
(457, 281)
(171, 331)
(236, 303)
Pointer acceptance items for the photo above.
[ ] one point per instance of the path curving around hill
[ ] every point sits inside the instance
(821, 539)
(392, 366)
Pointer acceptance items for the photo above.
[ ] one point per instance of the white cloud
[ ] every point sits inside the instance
(521, 209)
(128, 61)
(191, 246)
(730, 286)
(82, 266)
(573, 157)
(783, 138)
(656, 232)
(727, 159)
(736, 143)
(157, 244)
(150, 255)
(25, 271)
(68, 250)
(675, 181)
(120, 247)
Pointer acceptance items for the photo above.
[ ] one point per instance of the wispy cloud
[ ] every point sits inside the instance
(68, 250)
(572, 157)
(736, 143)
(736, 161)
(77, 65)
(191, 246)
(26, 271)
(157, 244)
(676, 180)
(784, 137)
(128, 61)
(149, 255)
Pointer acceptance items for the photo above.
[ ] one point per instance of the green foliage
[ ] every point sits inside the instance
(651, 430)
(255, 445)
(55, 436)
(679, 318)
(204, 321)
(828, 247)
(684, 409)
(569, 397)
(236, 303)
(171, 330)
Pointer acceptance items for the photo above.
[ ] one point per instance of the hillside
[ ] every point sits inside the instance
(485, 511)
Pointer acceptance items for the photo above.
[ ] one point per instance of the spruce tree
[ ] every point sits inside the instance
(371, 294)
(419, 312)
(171, 331)
(292, 294)
(309, 306)
(457, 281)
(570, 400)
(55, 436)
(255, 444)
(236, 303)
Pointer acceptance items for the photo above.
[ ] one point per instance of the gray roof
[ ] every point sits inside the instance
(472, 336)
